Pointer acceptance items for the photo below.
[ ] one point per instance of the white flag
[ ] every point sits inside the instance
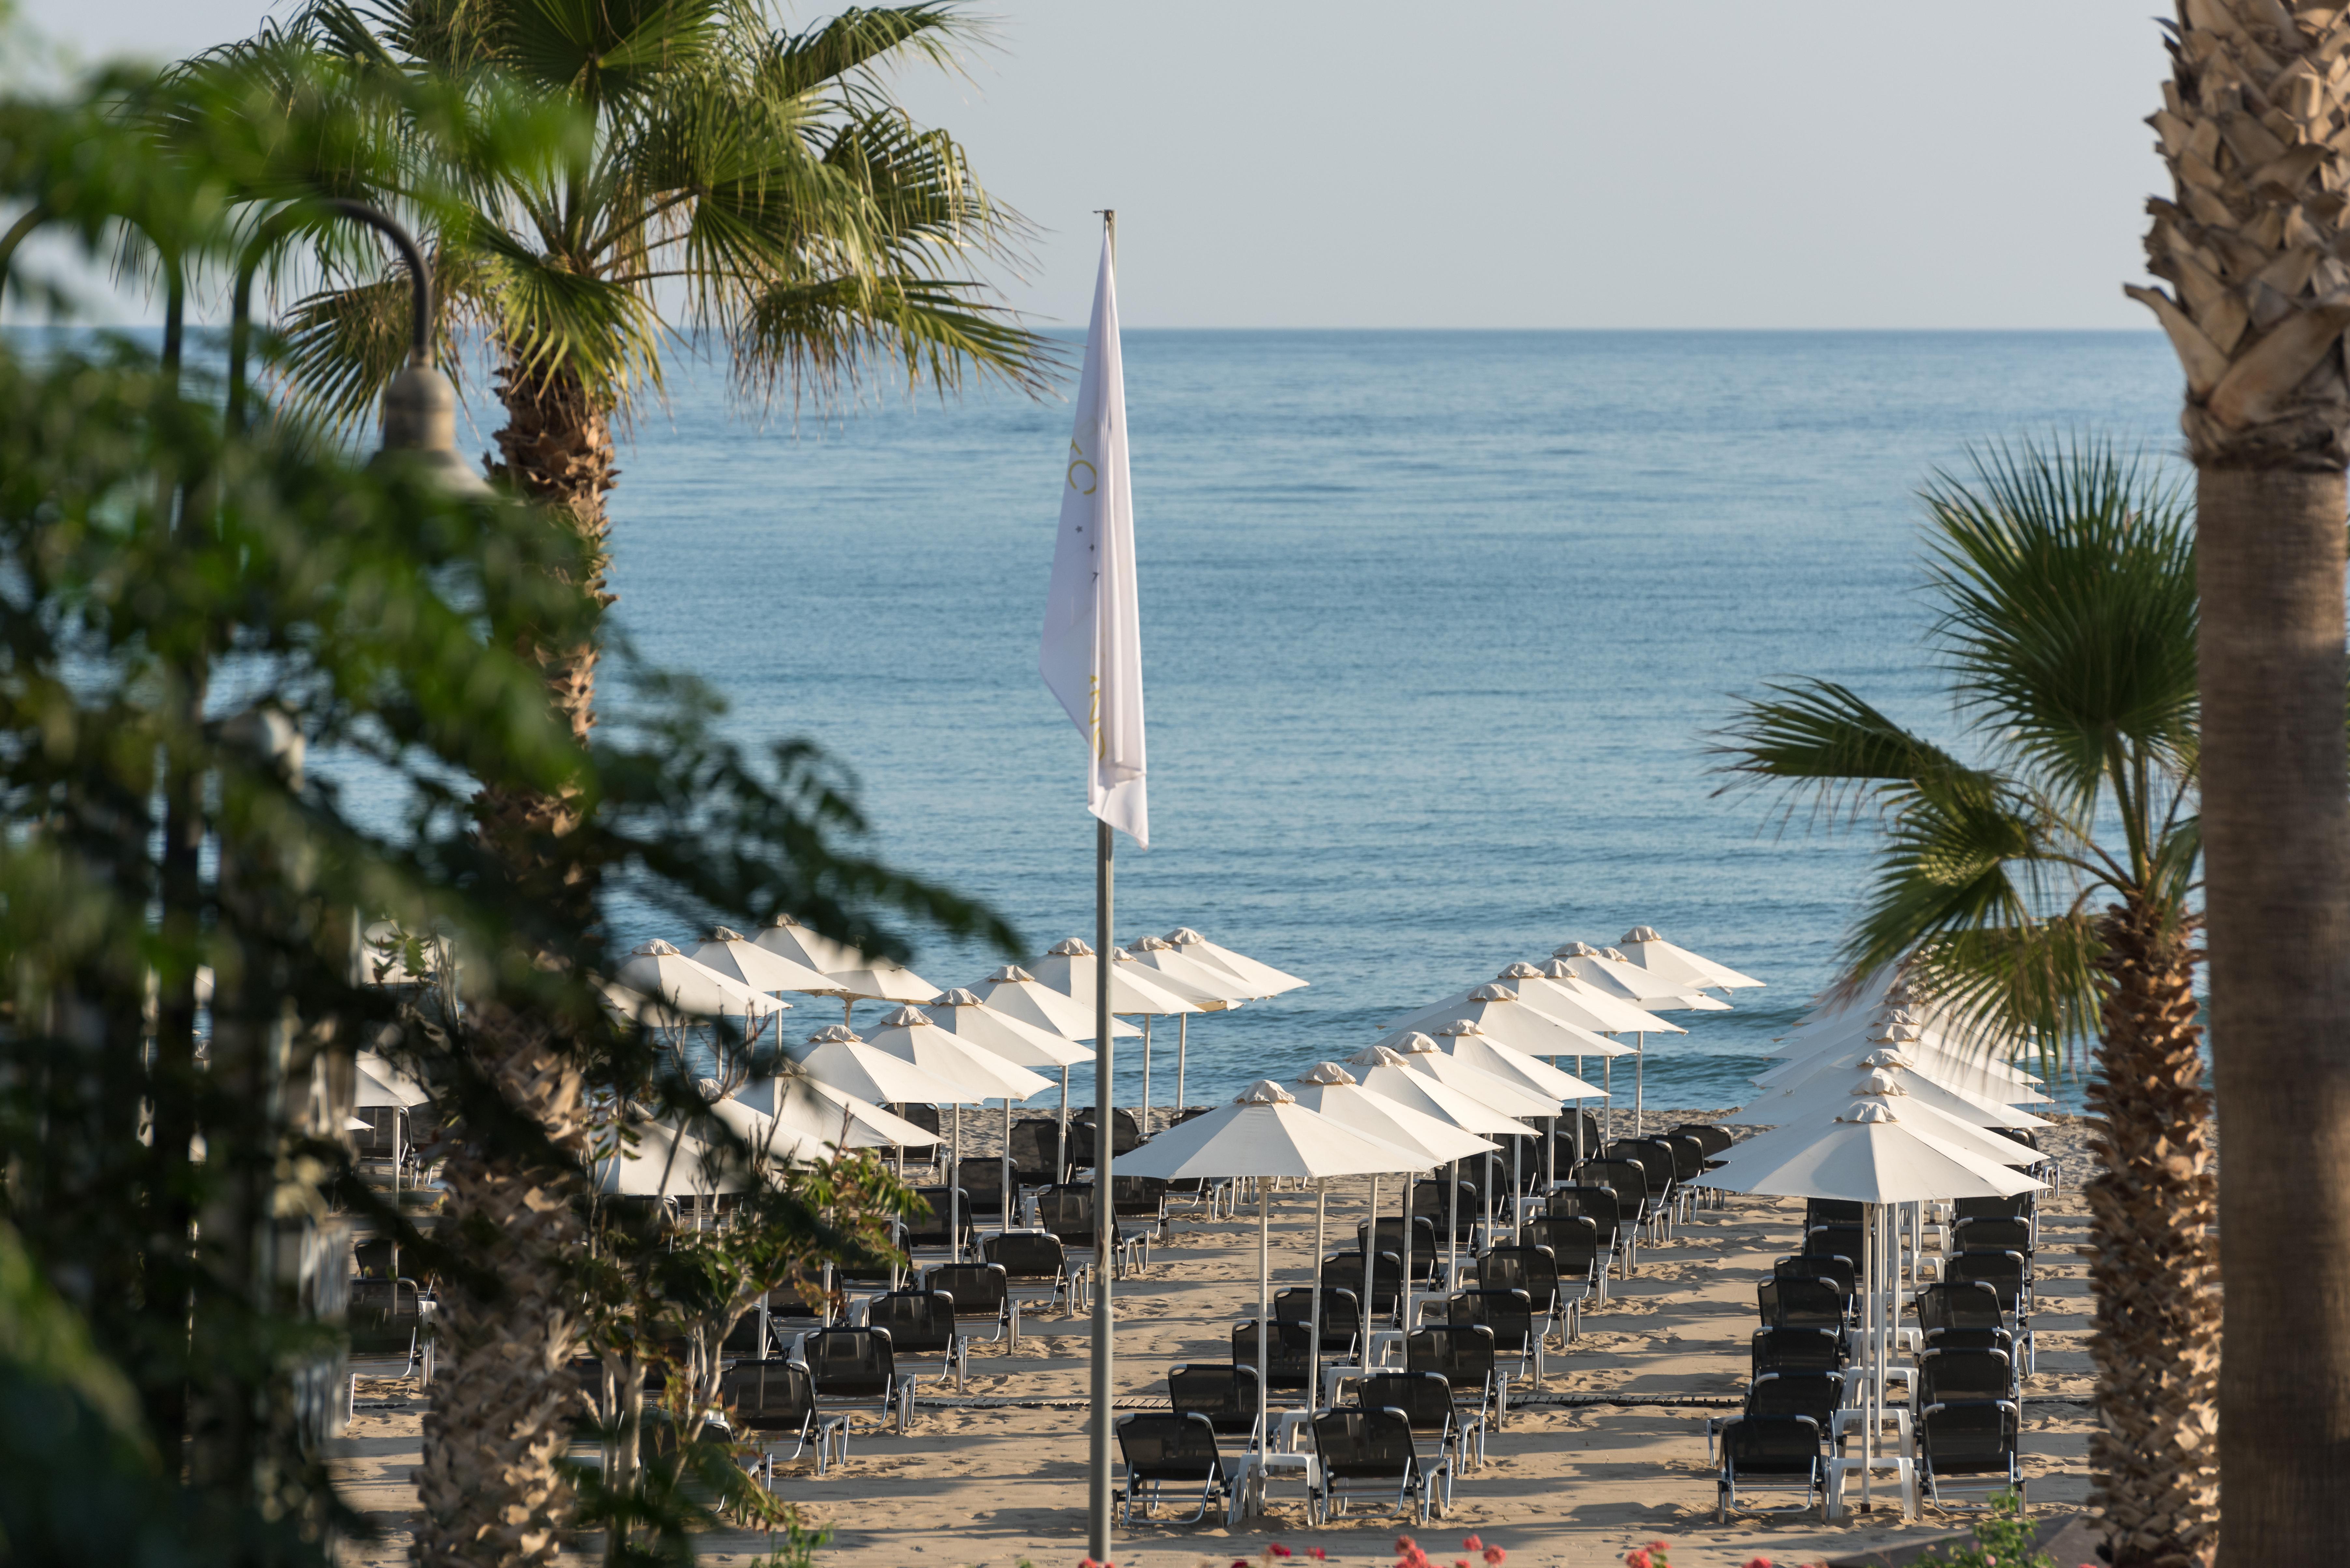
(1093, 626)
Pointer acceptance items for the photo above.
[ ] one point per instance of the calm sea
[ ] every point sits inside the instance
(1434, 626)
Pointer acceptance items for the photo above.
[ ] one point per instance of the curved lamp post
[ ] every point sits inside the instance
(419, 406)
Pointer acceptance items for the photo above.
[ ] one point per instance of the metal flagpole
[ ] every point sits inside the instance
(1097, 1469)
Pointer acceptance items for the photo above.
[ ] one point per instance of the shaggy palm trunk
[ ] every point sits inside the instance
(491, 1494)
(2154, 1263)
(2276, 839)
(2255, 127)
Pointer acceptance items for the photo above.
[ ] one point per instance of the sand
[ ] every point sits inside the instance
(1565, 1483)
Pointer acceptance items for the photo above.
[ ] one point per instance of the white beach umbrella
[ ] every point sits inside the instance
(738, 958)
(1613, 973)
(963, 1015)
(1867, 1155)
(1331, 1090)
(1262, 978)
(658, 969)
(1826, 1097)
(1785, 1101)
(662, 1162)
(1496, 1009)
(633, 1006)
(1013, 990)
(397, 1087)
(1975, 1075)
(807, 1109)
(1644, 947)
(1071, 968)
(1264, 1133)
(837, 1055)
(769, 1138)
(1213, 988)
(1388, 1072)
(982, 1074)
(1423, 1055)
(804, 947)
(1557, 990)
(1485, 1052)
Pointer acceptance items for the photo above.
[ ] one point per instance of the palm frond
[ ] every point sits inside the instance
(856, 40)
(1826, 745)
(2067, 582)
(824, 336)
(343, 346)
(2000, 984)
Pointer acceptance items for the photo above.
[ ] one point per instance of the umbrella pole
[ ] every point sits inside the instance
(1145, 1074)
(954, 1192)
(1314, 1355)
(1061, 1150)
(1403, 1284)
(1263, 1306)
(1452, 1230)
(1578, 1116)
(1516, 1208)
(1608, 1089)
(1182, 1046)
(1004, 1213)
(1639, 1083)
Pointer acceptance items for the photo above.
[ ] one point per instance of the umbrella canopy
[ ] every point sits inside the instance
(370, 1090)
(1481, 1051)
(878, 980)
(401, 1089)
(1495, 1009)
(1975, 1077)
(980, 1074)
(1264, 1132)
(1867, 1153)
(836, 1055)
(769, 1138)
(1422, 1054)
(664, 1163)
(1070, 967)
(1331, 1091)
(1644, 947)
(738, 958)
(807, 1110)
(659, 969)
(795, 942)
(1014, 991)
(1209, 989)
(1262, 978)
(1789, 1101)
(1555, 989)
(1383, 1073)
(633, 1006)
(963, 1015)
(1610, 973)
(1827, 1098)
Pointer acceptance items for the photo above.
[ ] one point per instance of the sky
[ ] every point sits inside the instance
(1524, 163)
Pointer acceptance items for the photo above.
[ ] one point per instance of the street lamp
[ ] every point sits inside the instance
(419, 406)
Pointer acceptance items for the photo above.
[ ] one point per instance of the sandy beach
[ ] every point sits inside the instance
(1609, 1454)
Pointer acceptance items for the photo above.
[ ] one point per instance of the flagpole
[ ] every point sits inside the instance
(1098, 1473)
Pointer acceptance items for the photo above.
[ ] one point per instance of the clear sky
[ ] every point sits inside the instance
(1565, 163)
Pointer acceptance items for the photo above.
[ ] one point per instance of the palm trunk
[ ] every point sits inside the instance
(492, 1497)
(2276, 834)
(2154, 1263)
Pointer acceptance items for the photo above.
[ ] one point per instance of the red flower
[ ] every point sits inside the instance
(1495, 1556)
(1472, 1544)
(1636, 1559)
(1758, 1563)
(1404, 1546)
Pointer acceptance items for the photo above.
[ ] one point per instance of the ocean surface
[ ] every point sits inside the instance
(1434, 627)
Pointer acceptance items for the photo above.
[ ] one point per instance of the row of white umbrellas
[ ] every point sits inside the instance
(1880, 1102)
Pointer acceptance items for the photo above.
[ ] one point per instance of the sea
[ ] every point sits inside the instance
(1436, 629)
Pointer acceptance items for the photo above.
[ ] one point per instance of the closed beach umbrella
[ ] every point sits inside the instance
(1264, 1133)
(738, 958)
(1261, 979)
(1644, 947)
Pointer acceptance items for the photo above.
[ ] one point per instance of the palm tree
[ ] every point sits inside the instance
(2255, 126)
(2042, 881)
(723, 177)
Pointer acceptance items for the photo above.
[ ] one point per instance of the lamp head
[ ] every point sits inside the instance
(419, 433)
